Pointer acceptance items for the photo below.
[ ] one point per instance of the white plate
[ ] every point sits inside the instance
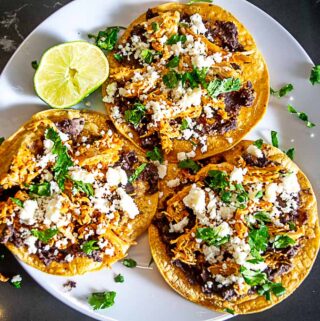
(144, 295)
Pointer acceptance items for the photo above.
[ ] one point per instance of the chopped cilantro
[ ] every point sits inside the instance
(1, 140)
(276, 288)
(258, 143)
(274, 139)
(228, 309)
(189, 164)
(211, 236)
(86, 188)
(106, 39)
(253, 278)
(119, 278)
(303, 116)
(315, 75)
(16, 284)
(176, 38)
(155, 26)
(283, 241)
(89, 246)
(217, 180)
(137, 172)
(63, 161)
(102, 300)
(290, 153)
(34, 64)
(196, 1)
(184, 124)
(226, 197)
(129, 263)
(171, 79)
(262, 217)
(221, 86)
(41, 189)
(118, 57)
(195, 77)
(259, 194)
(292, 226)
(17, 201)
(174, 62)
(155, 155)
(135, 115)
(147, 56)
(258, 240)
(46, 235)
(282, 91)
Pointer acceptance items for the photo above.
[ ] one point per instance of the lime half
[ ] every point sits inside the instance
(69, 72)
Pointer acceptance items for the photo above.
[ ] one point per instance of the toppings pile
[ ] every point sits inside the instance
(73, 193)
(235, 228)
(179, 77)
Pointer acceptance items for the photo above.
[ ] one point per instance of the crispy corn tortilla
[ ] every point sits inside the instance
(302, 262)
(26, 140)
(254, 69)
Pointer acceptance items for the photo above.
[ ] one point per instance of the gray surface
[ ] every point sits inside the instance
(31, 303)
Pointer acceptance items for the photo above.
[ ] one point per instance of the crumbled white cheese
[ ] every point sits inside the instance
(192, 98)
(224, 229)
(211, 253)
(173, 183)
(196, 200)
(237, 174)
(16, 278)
(178, 227)
(290, 183)
(197, 25)
(255, 151)
(270, 194)
(28, 212)
(127, 204)
(111, 90)
(79, 174)
(69, 258)
(116, 176)
(162, 168)
(30, 242)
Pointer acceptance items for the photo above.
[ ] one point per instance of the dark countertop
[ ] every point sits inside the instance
(31, 303)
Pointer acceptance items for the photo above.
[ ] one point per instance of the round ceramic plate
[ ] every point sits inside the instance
(144, 295)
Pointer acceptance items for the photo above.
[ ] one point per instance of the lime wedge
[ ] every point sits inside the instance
(69, 72)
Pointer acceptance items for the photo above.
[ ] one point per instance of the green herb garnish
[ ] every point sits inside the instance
(89, 246)
(258, 143)
(171, 79)
(155, 26)
(17, 201)
(1, 140)
(147, 56)
(315, 75)
(137, 172)
(217, 180)
(129, 263)
(228, 310)
(262, 217)
(102, 300)
(282, 91)
(34, 64)
(63, 161)
(135, 115)
(176, 38)
(195, 78)
(118, 57)
(41, 189)
(290, 153)
(86, 188)
(253, 278)
(16, 284)
(184, 124)
(258, 240)
(292, 226)
(259, 194)
(106, 39)
(303, 116)
(189, 164)
(226, 197)
(173, 62)
(283, 241)
(119, 278)
(46, 235)
(218, 86)
(274, 139)
(155, 155)
(211, 236)
(196, 1)
(276, 288)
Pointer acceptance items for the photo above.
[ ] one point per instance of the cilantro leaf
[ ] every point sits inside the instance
(174, 62)
(315, 75)
(258, 143)
(102, 300)
(106, 39)
(171, 79)
(276, 288)
(184, 124)
(221, 86)
(118, 57)
(189, 164)
(135, 115)
(290, 153)
(226, 197)
(16, 284)
(155, 26)
(258, 240)
(17, 201)
(262, 217)
(211, 236)
(119, 278)
(137, 172)
(303, 116)
(228, 309)
(34, 64)
(283, 241)
(147, 56)
(196, 1)
(292, 226)
(86, 188)
(282, 91)
(253, 278)
(217, 180)
(63, 161)
(46, 235)
(1, 140)
(41, 189)
(129, 263)
(176, 38)
(274, 139)
(195, 77)
(89, 246)
(155, 155)
(259, 194)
